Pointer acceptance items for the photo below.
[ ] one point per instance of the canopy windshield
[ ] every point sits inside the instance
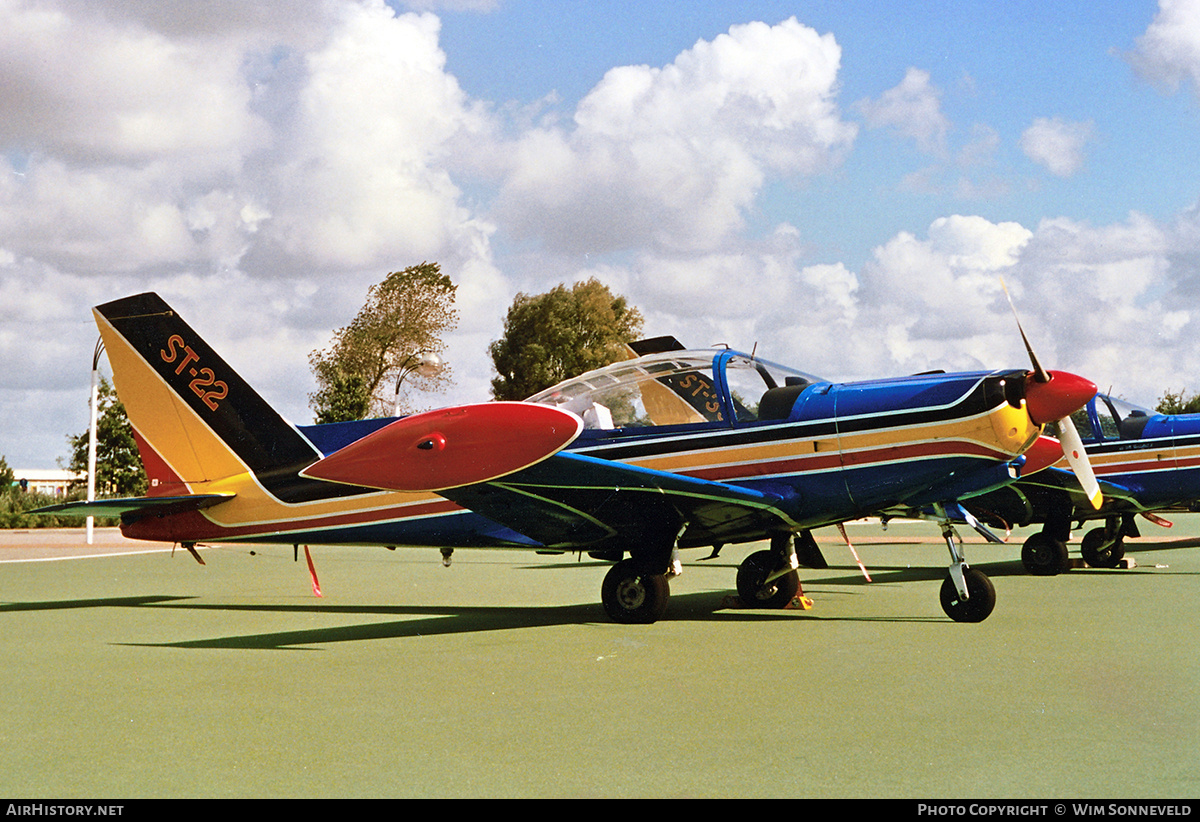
(672, 388)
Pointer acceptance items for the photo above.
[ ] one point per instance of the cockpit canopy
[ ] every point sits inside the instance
(1111, 418)
(680, 388)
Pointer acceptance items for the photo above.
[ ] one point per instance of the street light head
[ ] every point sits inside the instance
(427, 364)
(424, 363)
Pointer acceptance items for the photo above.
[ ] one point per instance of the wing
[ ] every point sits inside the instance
(573, 501)
(1062, 479)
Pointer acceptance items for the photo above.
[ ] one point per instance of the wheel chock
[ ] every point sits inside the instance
(798, 603)
(1125, 564)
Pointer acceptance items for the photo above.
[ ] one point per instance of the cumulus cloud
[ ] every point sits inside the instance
(1111, 302)
(363, 178)
(88, 90)
(1057, 144)
(1168, 53)
(231, 159)
(913, 108)
(672, 157)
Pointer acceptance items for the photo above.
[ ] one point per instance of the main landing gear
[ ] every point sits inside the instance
(1045, 552)
(636, 590)
(768, 579)
(1104, 547)
(634, 593)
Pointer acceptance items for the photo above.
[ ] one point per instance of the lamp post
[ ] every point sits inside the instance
(92, 426)
(425, 363)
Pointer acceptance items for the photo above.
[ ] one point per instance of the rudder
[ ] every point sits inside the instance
(196, 420)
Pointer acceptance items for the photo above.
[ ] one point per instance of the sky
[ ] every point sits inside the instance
(842, 186)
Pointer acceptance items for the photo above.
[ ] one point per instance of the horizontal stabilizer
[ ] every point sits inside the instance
(133, 508)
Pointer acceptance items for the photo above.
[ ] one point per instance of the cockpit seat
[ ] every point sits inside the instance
(1132, 426)
(777, 403)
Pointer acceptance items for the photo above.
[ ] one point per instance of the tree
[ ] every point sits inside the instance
(119, 470)
(404, 317)
(7, 478)
(562, 333)
(1178, 403)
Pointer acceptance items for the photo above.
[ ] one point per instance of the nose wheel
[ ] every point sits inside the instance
(979, 602)
(967, 595)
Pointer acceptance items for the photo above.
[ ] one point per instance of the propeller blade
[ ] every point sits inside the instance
(1039, 373)
(1054, 396)
(1077, 457)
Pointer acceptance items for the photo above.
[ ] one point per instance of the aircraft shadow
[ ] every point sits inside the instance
(424, 620)
(101, 602)
(421, 620)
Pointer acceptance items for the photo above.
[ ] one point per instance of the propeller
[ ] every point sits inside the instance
(1053, 396)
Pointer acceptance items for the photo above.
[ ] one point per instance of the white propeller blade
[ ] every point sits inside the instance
(1077, 457)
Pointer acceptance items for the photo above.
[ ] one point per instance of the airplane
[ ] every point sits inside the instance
(632, 462)
(1146, 463)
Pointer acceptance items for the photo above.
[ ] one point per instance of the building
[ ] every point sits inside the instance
(50, 481)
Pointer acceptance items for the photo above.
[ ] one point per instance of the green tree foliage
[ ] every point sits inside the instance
(1178, 403)
(562, 333)
(15, 504)
(119, 471)
(7, 479)
(404, 316)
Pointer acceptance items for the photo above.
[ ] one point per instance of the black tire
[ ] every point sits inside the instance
(632, 597)
(978, 606)
(751, 576)
(1097, 554)
(1044, 556)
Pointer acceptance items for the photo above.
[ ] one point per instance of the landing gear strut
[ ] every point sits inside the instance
(967, 595)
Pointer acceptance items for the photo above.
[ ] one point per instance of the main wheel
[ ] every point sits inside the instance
(978, 606)
(1099, 555)
(631, 596)
(1044, 556)
(753, 588)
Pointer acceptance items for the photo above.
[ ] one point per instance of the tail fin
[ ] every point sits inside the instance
(196, 421)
